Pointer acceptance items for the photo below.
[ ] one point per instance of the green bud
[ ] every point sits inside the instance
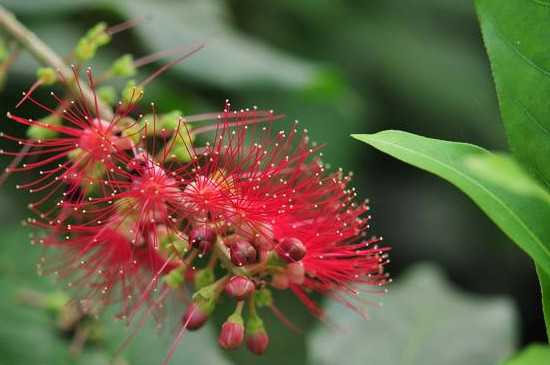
(4, 54)
(87, 46)
(84, 50)
(98, 35)
(169, 121)
(39, 130)
(263, 298)
(204, 278)
(132, 93)
(56, 302)
(273, 261)
(107, 94)
(124, 66)
(46, 75)
(175, 278)
(180, 152)
(95, 331)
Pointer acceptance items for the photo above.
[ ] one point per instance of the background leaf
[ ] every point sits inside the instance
(28, 334)
(424, 321)
(514, 32)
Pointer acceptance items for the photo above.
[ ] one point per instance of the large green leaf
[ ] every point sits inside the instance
(515, 202)
(532, 355)
(515, 33)
(424, 321)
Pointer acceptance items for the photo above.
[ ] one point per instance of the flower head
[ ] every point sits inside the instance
(221, 203)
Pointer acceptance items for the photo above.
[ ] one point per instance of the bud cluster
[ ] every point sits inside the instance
(142, 210)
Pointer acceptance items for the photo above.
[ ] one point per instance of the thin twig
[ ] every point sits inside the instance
(47, 56)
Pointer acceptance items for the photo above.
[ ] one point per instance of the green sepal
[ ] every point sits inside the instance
(235, 318)
(205, 299)
(204, 278)
(254, 324)
(263, 298)
(175, 278)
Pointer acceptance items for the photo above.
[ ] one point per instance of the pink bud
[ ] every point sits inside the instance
(194, 317)
(290, 249)
(243, 253)
(239, 287)
(232, 335)
(296, 273)
(257, 342)
(203, 238)
(279, 281)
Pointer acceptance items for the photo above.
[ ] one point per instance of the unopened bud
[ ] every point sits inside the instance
(194, 317)
(239, 288)
(243, 253)
(203, 238)
(296, 273)
(279, 281)
(256, 336)
(124, 66)
(291, 249)
(232, 333)
(47, 75)
(132, 93)
(107, 94)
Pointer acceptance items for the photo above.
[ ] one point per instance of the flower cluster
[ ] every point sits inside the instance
(142, 208)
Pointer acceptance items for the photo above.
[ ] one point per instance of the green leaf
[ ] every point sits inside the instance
(515, 32)
(424, 321)
(516, 203)
(532, 355)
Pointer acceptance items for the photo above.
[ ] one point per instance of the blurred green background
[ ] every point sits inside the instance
(339, 67)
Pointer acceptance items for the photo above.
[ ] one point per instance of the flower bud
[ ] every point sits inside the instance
(232, 333)
(296, 273)
(243, 253)
(290, 249)
(194, 317)
(279, 281)
(239, 288)
(124, 66)
(256, 336)
(203, 238)
(47, 75)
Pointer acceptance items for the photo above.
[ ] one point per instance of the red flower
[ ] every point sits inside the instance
(256, 202)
